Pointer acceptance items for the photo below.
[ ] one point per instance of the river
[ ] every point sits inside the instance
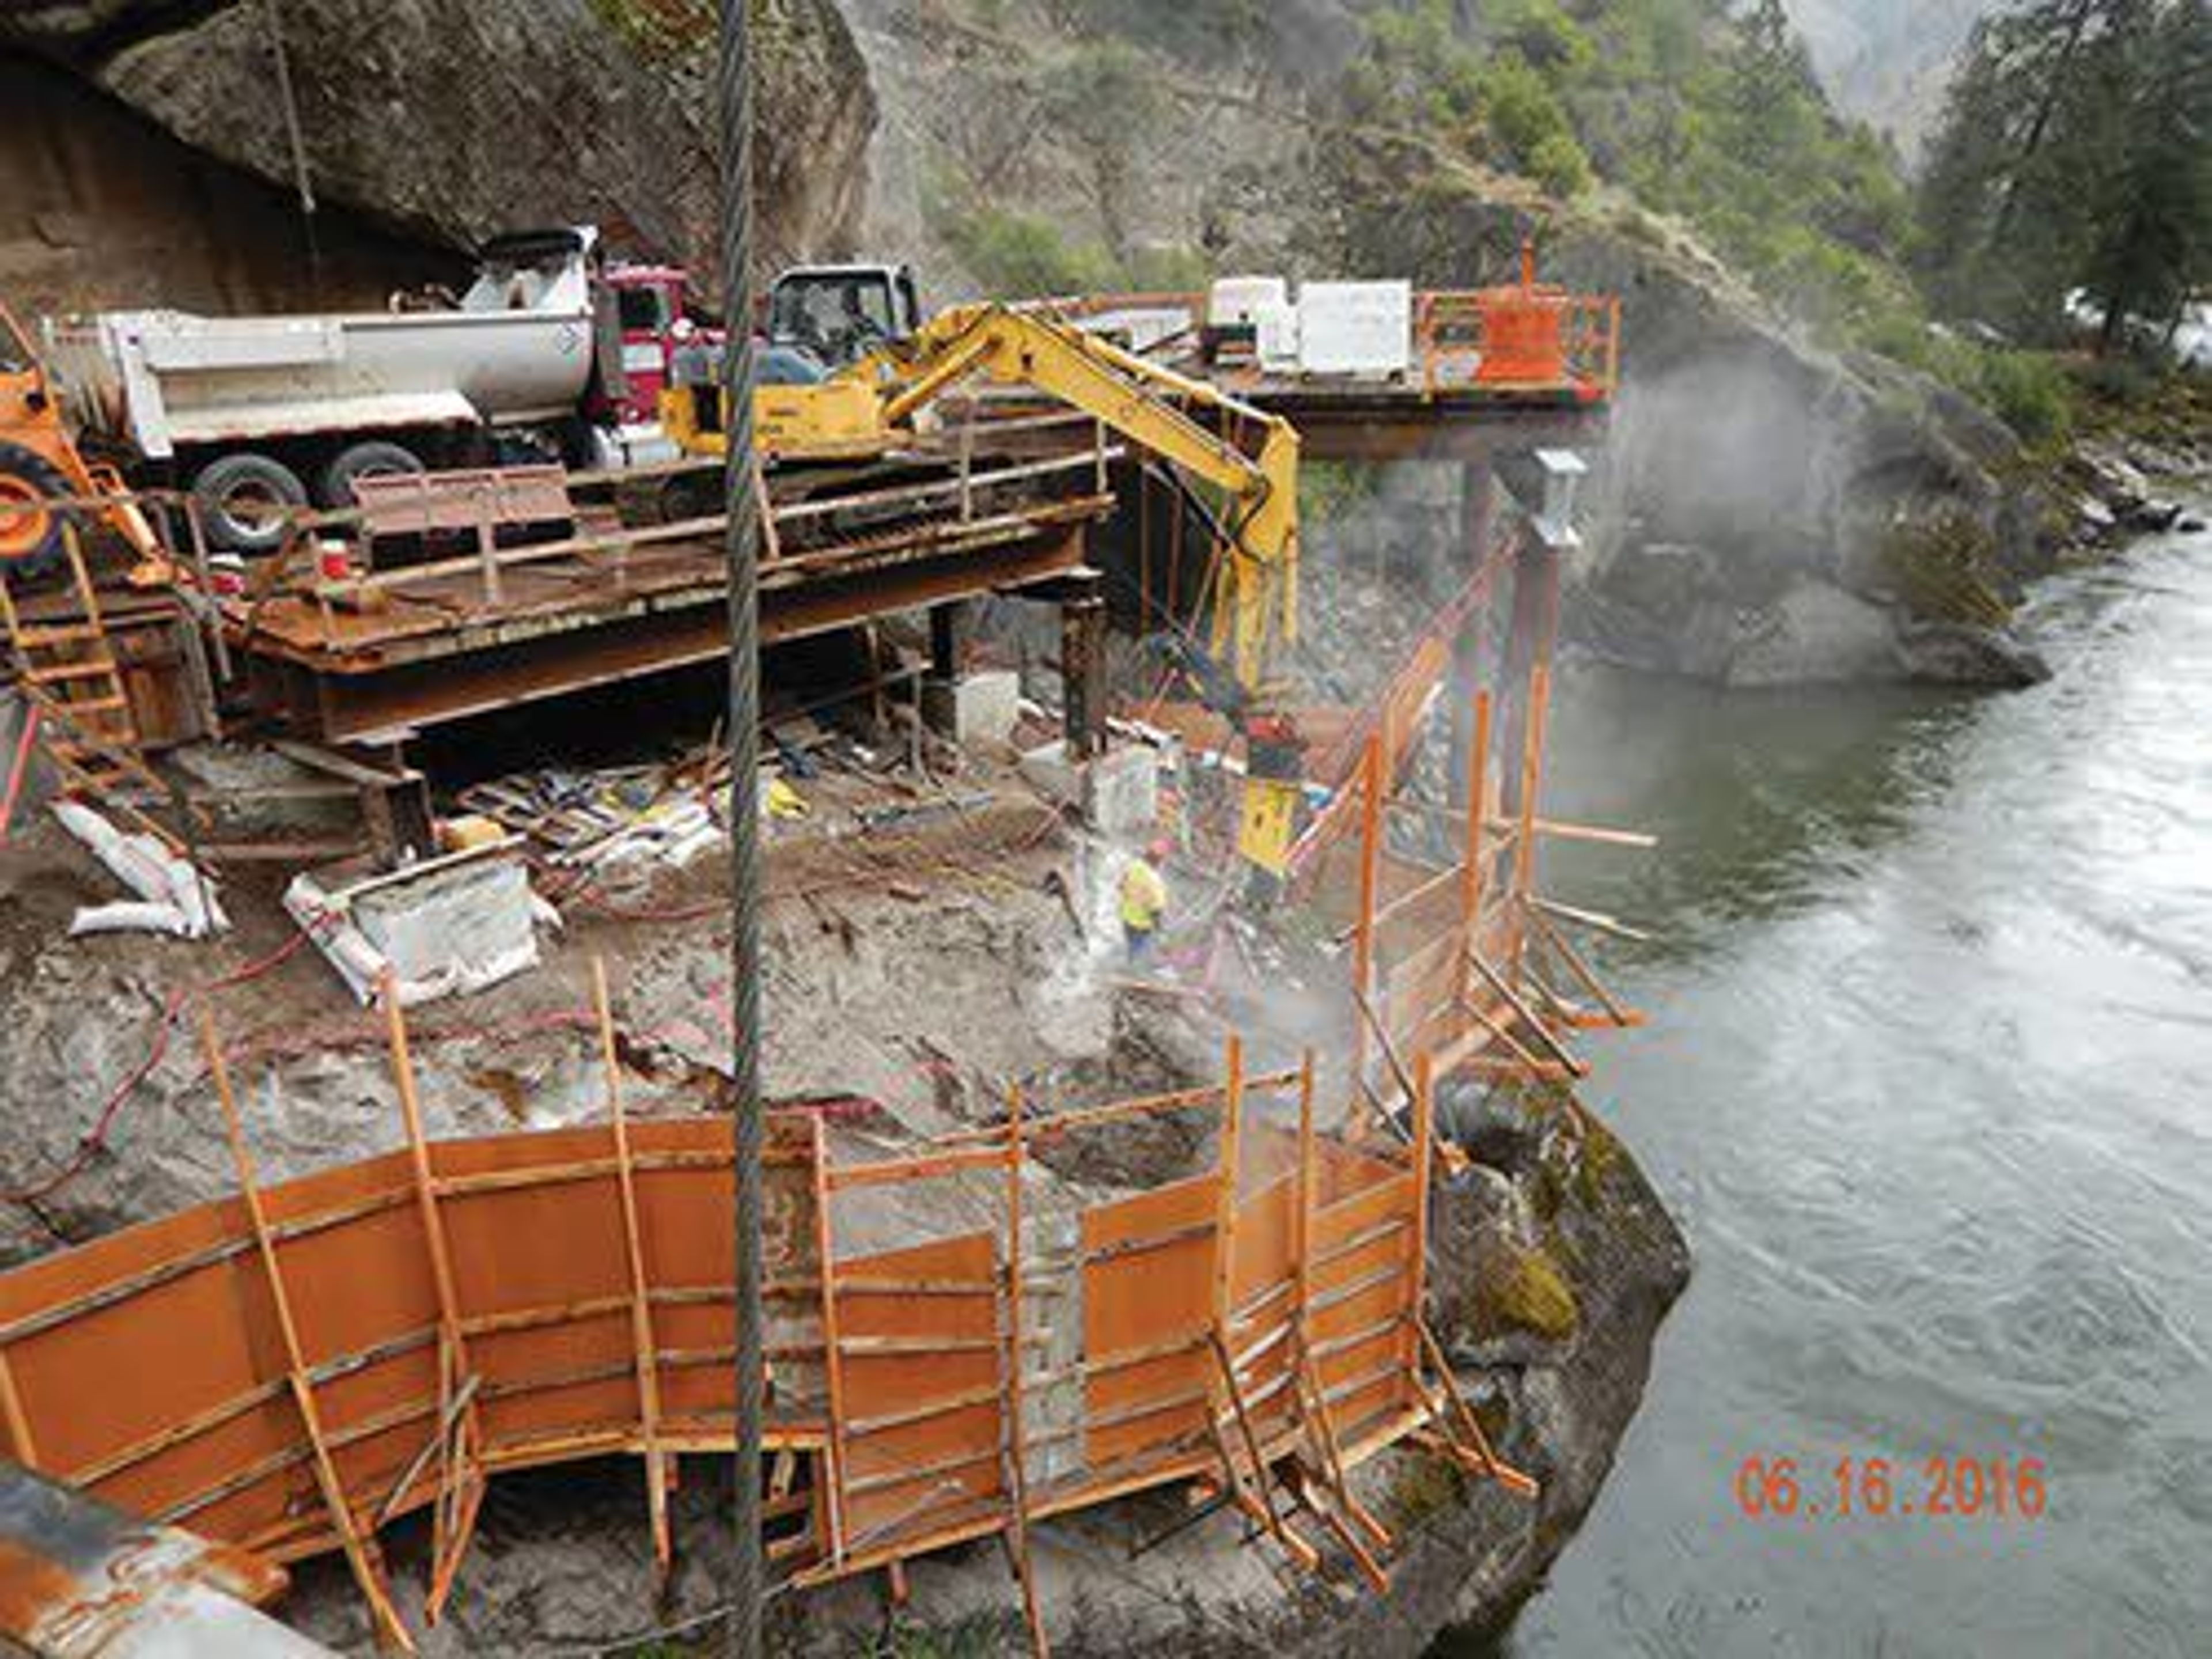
(1928, 1085)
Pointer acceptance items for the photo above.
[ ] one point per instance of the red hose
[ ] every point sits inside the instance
(95, 1138)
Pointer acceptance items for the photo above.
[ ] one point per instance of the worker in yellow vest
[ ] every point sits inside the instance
(1144, 902)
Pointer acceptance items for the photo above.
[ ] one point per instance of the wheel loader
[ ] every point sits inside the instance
(44, 482)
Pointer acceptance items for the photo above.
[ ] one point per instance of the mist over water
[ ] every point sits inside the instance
(1928, 1085)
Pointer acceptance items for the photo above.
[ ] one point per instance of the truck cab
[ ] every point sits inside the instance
(837, 313)
(650, 303)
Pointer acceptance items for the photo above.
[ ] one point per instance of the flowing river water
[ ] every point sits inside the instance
(1928, 1085)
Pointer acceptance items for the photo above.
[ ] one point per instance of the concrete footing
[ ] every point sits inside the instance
(1118, 792)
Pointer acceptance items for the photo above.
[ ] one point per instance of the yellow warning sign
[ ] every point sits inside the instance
(1271, 810)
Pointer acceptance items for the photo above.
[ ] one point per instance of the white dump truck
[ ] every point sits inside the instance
(548, 351)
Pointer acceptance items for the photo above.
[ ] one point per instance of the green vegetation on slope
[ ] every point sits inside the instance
(1715, 120)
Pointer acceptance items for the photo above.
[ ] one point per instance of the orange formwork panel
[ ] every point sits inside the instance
(153, 1368)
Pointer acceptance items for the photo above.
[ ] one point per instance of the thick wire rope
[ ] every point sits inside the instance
(734, 94)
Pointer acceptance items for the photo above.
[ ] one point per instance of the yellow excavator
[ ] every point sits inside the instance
(870, 407)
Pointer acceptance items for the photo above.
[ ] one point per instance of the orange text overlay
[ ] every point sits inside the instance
(1873, 1488)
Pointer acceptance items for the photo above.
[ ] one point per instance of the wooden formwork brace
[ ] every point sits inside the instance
(360, 1551)
(1455, 1421)
(1478, 813)
(461, 1477)
(641, 1309)
(1513, 999)
(833, 1368)
(1371, 785)
(21, 1445)
(1617, 1012)
(1532, 777)
(1311, 1401)
(1017, 1471)
(1258, 1500)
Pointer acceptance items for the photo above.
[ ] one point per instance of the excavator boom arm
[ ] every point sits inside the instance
(1256, 599)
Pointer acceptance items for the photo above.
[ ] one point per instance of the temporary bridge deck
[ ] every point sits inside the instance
(371, 657)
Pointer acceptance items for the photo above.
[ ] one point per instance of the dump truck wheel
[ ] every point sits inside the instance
(30, 530)
(376, 458)
(244, 498)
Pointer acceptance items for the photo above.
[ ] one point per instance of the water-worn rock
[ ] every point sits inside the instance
(1817, 632)
(1958, 654)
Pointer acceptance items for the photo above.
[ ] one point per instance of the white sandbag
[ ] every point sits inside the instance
(132, 916)
(158, 876)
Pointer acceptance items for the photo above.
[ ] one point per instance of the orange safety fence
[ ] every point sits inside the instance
(291, 1369)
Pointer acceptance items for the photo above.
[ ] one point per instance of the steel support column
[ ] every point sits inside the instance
(1082, 670)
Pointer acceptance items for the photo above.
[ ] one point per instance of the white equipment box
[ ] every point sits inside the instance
(1356, 328)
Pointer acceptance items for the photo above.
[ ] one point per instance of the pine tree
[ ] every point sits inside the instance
(2072, 153)
(2153, 244)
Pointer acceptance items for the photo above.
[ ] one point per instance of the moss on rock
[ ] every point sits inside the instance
(1526, 1291)
(1946, 566)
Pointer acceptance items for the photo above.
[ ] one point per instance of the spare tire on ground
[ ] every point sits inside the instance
(30, 530)
(377, 457)
(244, 500)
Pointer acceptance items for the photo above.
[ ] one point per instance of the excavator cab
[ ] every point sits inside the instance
(836, 314)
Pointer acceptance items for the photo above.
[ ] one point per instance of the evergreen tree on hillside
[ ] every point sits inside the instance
(2073, 152)
(2153, 230)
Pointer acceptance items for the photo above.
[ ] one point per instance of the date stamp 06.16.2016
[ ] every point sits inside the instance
(1855, 1488)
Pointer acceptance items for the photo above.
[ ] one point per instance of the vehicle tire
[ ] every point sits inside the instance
(376, 458)
(235, 493)
(30, 532)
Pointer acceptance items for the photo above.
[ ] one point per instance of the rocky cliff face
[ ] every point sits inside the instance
(455, 120)
(1765, 511)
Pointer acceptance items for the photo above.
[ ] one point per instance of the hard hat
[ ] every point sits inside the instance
(684, 328)
(1160, 847)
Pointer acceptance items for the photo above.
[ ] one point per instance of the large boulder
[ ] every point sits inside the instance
(456, 119)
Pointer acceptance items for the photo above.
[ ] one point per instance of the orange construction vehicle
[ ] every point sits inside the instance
(40, 465)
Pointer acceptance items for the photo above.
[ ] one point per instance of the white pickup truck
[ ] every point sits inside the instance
(545, 350)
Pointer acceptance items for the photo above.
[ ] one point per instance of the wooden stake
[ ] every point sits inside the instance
(389, 1631)
(641, 1309)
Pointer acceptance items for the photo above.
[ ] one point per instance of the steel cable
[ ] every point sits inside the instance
(734, 102)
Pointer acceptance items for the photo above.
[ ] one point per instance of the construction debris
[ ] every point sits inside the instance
(81, 1579)
(442, 927)
(173, 896)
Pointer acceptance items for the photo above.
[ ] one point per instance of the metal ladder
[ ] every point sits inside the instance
(68, 671)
